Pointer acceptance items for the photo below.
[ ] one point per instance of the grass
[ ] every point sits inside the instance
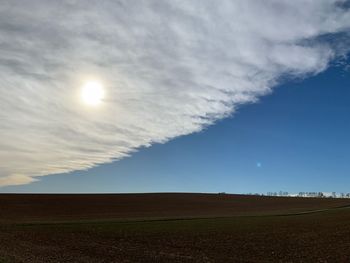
(5, 260)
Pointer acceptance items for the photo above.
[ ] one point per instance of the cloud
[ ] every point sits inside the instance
(170, 68)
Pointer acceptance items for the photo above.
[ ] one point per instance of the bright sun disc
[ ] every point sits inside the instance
(92, 93)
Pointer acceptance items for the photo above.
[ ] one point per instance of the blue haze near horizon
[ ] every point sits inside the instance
(295, 139)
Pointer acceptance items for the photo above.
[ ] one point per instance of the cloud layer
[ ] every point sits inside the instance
(170, 68)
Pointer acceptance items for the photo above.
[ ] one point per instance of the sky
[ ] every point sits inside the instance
(296, 139)
(239, 97)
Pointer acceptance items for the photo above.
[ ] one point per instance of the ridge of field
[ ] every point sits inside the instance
(312, 237)
(17, 208)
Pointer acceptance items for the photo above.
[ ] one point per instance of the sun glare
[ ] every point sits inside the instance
(92, 93)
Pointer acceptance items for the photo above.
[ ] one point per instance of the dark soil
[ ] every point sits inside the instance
(318, 236)
(43, 207)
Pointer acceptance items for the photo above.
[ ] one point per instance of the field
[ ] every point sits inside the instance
(173, 228)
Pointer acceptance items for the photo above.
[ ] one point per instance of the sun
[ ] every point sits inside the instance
(92, 93)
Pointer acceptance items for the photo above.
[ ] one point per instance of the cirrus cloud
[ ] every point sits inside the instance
(170, 68)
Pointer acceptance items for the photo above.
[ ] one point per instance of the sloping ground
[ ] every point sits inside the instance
(47, 207)
(314, 237)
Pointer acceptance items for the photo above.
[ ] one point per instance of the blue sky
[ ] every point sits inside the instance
(295, 139)
(84, 84)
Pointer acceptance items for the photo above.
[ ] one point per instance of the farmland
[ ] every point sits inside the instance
(173, 228)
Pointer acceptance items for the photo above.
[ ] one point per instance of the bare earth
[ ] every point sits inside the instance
(173, 228)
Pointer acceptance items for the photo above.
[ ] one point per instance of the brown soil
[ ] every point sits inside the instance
(288, 234)
(44, 207)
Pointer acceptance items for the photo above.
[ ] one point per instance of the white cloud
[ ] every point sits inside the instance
(170, 68)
